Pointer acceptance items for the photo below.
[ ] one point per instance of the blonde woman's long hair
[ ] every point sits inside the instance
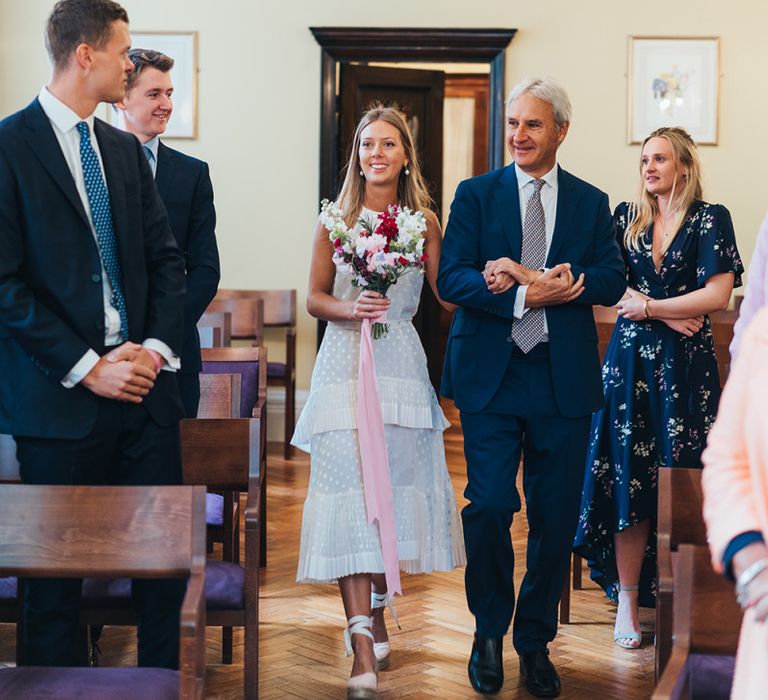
(685, 191)
(412, 191)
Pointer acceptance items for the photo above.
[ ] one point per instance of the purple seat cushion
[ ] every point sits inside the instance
(224, 585)
(224, 588)
(214, 509)
(710, 676)
(8, 589)
(249, 384)
(89, 683)
(277, 370)
(107, 593)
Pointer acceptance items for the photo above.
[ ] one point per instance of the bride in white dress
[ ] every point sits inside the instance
(337, 542)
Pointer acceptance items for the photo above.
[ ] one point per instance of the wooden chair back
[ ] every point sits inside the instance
(722, 335)
(680, 521)
(114, 531)
(9, 466)
(707, 620)
(219, 396)
(279, 304)
(215, 329)
(245, 355)
(605, 320)
(247, 317)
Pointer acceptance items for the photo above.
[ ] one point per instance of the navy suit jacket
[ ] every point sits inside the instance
(485, 224)
(185, 188)
(51, 299)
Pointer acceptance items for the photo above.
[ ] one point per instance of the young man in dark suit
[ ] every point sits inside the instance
(528, 250)
(91, 310)
(185, 188)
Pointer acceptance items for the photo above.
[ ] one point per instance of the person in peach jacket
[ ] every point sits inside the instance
(735, 481)
(756, 291)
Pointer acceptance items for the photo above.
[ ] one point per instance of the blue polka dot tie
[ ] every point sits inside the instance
(528, 331)
(101, 212)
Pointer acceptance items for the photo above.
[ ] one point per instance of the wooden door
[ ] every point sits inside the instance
(419, 95)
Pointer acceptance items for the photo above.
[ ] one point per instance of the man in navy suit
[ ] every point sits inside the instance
(185, 188)
(528, 250)
(91, 311)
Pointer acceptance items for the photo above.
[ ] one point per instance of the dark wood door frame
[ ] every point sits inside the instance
(343, 44)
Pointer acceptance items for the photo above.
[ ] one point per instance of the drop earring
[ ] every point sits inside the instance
(407, 172)
(361, 172)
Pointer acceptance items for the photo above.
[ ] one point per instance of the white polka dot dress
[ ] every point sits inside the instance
(336, 539)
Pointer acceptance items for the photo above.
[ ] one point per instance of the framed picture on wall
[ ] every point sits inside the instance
(182, 48)
(673, 81)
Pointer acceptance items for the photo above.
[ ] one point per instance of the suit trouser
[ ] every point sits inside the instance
(189, 388)
(124, 447)
(521, 417)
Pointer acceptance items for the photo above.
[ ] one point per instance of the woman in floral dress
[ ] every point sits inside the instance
(660, 373)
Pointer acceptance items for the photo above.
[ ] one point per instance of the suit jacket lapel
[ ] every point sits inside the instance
(45, 146)
(507, 199)
(566, 209)
(166, 169)
(111, 150)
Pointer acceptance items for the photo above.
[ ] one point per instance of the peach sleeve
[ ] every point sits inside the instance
(735, 477)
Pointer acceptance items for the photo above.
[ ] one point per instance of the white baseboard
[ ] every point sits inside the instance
(276, 411)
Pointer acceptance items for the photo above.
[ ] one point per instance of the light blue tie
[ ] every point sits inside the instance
(101, 212)
(148, 153)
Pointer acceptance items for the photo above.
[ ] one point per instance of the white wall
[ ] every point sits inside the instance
(259, 103)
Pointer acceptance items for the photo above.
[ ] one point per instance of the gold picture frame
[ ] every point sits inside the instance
(182, 47)
(673, 81)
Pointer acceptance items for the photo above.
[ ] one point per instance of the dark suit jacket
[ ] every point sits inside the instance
(485, 224)
(185, 187)
(51, 300)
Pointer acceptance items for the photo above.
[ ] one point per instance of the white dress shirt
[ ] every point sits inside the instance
(64, 122)
(549, 203)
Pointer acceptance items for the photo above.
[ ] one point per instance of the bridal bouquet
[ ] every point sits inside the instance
(380, 252)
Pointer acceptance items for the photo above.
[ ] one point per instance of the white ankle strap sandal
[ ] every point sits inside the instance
(363, 686)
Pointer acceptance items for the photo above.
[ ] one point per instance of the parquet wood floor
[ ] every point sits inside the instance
(302, 652)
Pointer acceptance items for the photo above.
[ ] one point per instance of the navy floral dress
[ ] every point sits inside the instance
(661, 394)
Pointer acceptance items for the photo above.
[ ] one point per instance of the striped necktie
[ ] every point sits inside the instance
(528, 331)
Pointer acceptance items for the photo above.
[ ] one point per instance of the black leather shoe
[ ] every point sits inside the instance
(541, 678)
(485, 670)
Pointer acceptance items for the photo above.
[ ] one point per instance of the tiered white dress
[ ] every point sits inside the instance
(336, 539)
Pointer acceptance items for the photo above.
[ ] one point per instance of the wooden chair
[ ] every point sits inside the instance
(215, 329)
(103, 531)
(605, 320)
(251, 363)
(680, 521)
(247, 317)
(223, 455)
(279, 312)
(707, 624)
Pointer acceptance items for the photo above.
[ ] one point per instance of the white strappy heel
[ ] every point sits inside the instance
(381, 649)
(363, 686)
(628, 640)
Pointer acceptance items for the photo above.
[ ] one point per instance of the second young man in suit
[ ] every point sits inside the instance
(185, 188)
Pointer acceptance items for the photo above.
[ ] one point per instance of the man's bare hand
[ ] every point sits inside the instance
(555, 286)
(121, 380)
(499, 282)
(126, 351)
(507, 266)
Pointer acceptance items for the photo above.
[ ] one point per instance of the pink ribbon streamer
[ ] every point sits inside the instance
(377, 485)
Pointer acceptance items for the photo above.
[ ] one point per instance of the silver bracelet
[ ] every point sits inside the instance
(746, 577)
